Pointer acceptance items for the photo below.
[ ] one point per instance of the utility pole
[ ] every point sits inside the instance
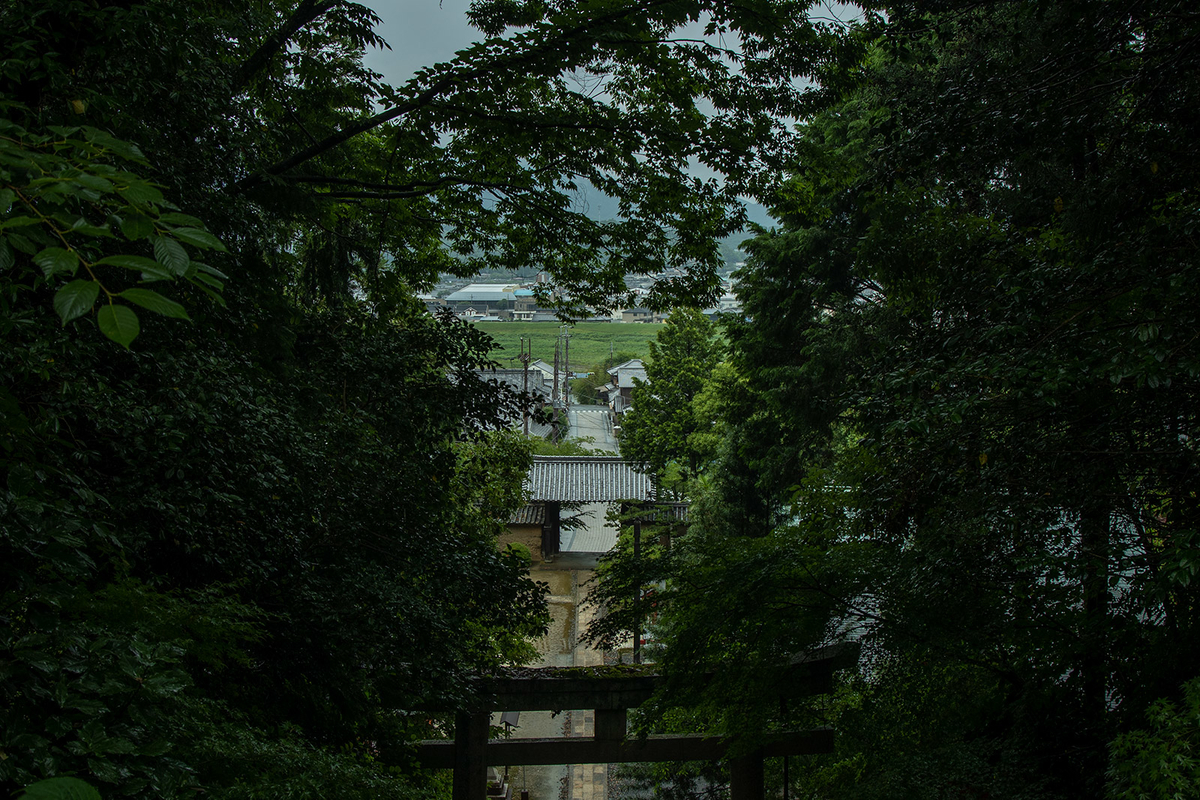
(554, 385)
(554, 392)
(637, 591)
(526, 352)
(567, 380)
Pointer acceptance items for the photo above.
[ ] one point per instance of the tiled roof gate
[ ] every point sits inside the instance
(529, 514)
(587, 479)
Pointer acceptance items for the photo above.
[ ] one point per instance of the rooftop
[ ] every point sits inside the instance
(587, 479)
(483, 292)
(530, 514)
(625, 373)
(516, 379)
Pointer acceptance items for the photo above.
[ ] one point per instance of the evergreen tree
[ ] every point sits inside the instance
(233, 548)
(969, 416)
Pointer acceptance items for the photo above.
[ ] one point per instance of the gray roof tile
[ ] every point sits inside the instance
(531, 514)
(587, 479)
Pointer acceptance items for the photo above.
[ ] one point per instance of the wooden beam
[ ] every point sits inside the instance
(553, 692)
(531, 752)
(746, 777)
(611, 724)
(559, 689)
(468, 755)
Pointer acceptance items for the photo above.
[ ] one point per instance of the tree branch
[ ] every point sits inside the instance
(404, 194)
(387, 186)
(352, 130)
(550, 48)
(519, 122)
(392, 191)
(306, 12)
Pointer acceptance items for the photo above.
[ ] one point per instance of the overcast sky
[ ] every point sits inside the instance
(424, 32)
(421, 32)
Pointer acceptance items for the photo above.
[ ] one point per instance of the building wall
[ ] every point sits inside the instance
(528, 535)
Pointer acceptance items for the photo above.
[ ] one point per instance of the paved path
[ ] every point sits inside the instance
(593, 421)
(567, 579)
(595, 536)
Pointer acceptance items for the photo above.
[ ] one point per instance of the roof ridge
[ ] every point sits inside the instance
(581, 458)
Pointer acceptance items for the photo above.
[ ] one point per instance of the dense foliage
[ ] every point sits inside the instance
(959, 426)
(243, 535)
(661, 427)
(208, 562)
(962, 429)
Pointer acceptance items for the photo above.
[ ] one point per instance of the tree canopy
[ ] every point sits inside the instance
(243, 535)
(965, 433)
(473, 161)
(959, 420)
(660, 429)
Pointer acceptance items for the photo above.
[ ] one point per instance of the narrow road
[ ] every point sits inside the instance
(594, 422)
(595, 536)
(567, 579)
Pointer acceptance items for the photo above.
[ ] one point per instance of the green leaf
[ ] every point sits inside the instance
(130, 262)
(151, 270)
(175, 218)
(88, 705)
(124, 149)
(94, 182)
(7, 256)
(199, 238)
(22, 243)
(215, 297)
(208, 280)
(156, 748)
(19, 222)
(137, 226)
(118, 323)
(148, 298)
(171, 255)
(75, 299)
(157, 273)
(210, 270)
(55, 260)
(81, 225)
(168, 682)
(56, 187)
(60, 789)
(6, 200)
(38, 660)
(142, 193)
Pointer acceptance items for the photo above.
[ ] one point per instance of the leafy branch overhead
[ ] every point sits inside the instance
(490, 151)
(484, 159)
(70, 207)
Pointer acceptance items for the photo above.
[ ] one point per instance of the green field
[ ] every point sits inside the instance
(590, 341)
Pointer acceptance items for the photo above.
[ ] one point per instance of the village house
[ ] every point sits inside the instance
(618, 393)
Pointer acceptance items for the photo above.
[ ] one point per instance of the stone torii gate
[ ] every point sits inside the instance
(610, 695)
